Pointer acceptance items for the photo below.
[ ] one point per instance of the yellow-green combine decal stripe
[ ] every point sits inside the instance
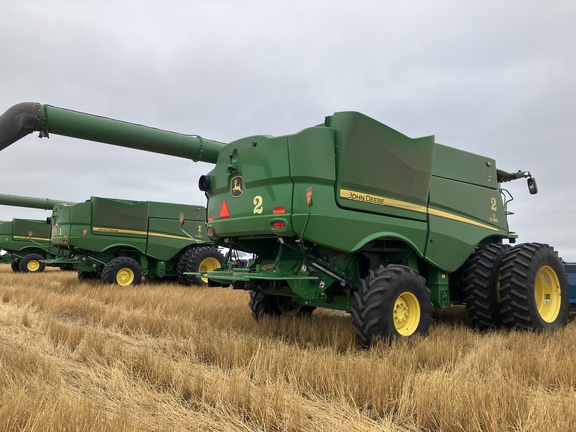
(380, 200)
(405, 205)
(142, 233)
(32, 238)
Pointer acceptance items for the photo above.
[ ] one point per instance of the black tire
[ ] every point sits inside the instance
(272, 305)
(480, 286)
(533, 288)
(32, 263)
(123, 271)
(67, 267)
(198, 259)
(14, 266)
(393, 302)
(85, 275)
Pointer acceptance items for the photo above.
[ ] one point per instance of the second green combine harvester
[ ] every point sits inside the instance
(26, 242)
(116, 240)
(120, 241)
(353, 215)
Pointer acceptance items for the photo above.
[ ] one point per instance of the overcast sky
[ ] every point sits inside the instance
(490, 77)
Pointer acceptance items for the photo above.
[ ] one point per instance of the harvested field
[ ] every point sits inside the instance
(83, 356)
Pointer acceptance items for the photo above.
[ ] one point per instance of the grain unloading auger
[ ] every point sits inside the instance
(353, 215)
(26, 242)
(120, 240)
(27, 117)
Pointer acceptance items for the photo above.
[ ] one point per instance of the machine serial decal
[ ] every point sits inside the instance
(237, 186)
(389, 202)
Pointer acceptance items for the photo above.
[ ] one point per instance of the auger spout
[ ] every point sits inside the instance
(27, 117)
(30, 202)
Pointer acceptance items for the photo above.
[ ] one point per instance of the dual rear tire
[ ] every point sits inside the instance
(522, 287)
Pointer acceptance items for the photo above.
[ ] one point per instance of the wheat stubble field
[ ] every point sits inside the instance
(161, 357)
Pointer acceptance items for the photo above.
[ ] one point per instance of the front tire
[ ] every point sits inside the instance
(123, 271)
(198, 259)
(14, 266)
(392, 303)
(32, 263)
(533, 288)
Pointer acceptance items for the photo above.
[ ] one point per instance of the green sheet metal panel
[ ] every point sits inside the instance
(379, 169)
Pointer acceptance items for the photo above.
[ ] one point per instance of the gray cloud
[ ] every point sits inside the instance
(490, 77)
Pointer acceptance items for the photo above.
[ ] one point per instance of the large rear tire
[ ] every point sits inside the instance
(32, 263)
(198, 259)
(392, 303)
(123, 271)
(533, 288)
(481, 278)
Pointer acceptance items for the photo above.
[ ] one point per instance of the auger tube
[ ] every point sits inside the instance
(30, 202)
(27, 117)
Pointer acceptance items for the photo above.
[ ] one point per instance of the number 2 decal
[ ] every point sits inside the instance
(494, 204)
(258, 204)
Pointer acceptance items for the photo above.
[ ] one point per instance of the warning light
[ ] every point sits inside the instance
(30, 233)
(309, 196)
(279, 210)
(210, 218)
(181, 218)
(65, 235)
(278, 225)
(85, 231)
(210, 231)
(224, 213)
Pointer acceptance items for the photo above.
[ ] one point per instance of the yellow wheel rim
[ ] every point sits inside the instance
(406, 314)
(124, 277)
(548, 294)
(33, 265)
(208, 265)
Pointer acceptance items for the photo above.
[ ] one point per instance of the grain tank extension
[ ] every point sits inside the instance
(26, 242)
(352, 215)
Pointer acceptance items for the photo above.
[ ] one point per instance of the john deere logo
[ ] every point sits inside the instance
(237, 186)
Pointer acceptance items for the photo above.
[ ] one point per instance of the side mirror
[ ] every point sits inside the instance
(532, 186)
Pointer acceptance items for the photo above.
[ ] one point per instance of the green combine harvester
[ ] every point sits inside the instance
(120, 241)
(116, 240)
(26, 242)
(352, 215)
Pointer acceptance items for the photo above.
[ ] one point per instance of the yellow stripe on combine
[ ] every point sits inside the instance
(31, 238)
(405, 205)
(142, 233)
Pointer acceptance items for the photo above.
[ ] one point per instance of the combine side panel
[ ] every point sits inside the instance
(251, 188)
(465, 206)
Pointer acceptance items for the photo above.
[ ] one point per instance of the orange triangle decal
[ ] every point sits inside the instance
(224, 213)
